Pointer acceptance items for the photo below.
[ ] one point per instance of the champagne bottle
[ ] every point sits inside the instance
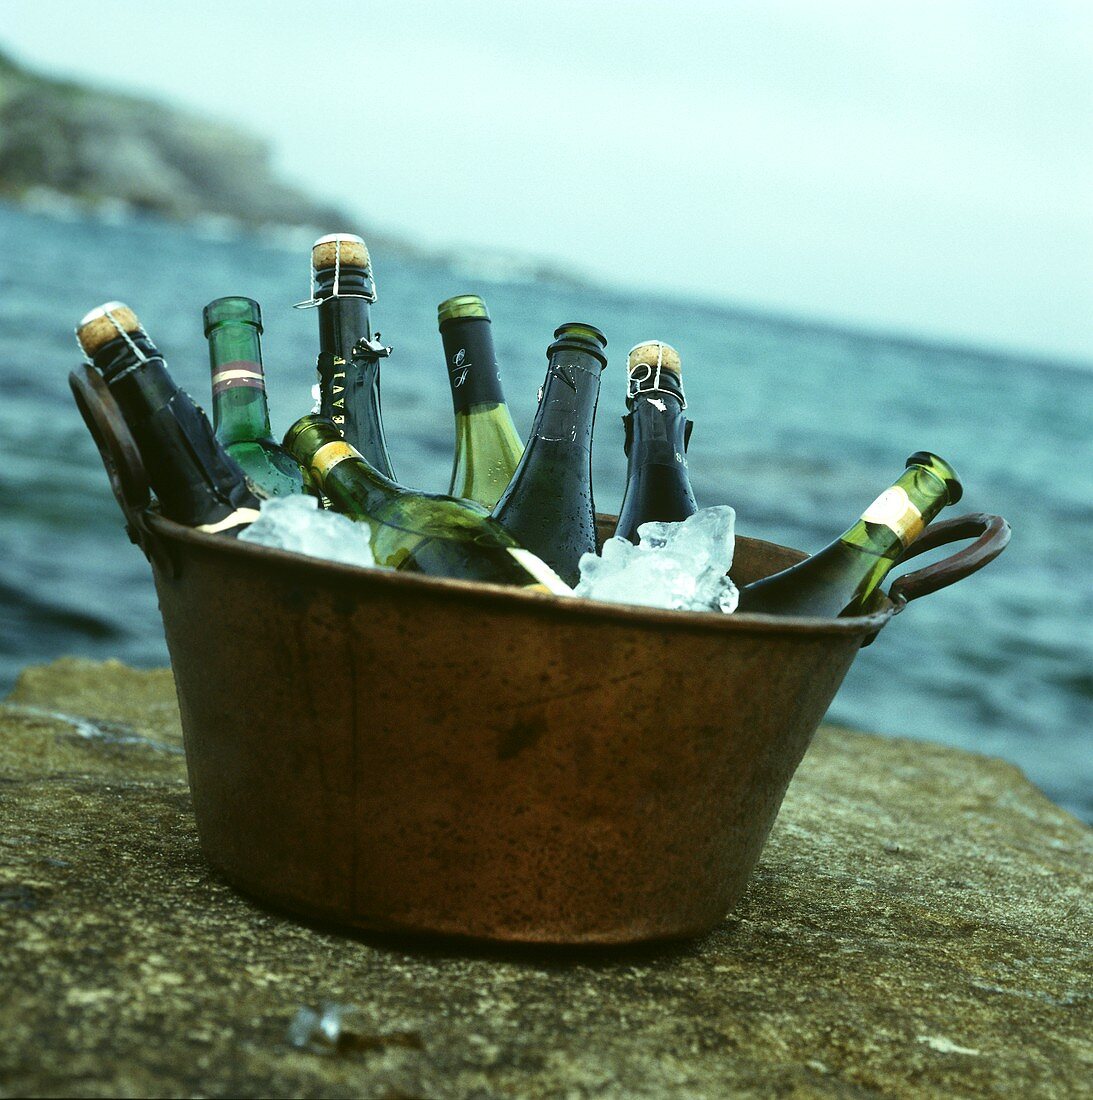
(233, 327)
(657, 433)
(548, 505)
(349, 352)
(487, 448)
(415, 532)
(196, 481)
(840, 578)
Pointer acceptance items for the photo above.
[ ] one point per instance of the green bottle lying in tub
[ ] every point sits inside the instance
(840, 578)
(411, 531)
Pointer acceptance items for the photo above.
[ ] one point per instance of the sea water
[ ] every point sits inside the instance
(797, 427)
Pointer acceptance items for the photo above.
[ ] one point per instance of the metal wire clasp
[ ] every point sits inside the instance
(648, 381)
(133, 347)
(335, 290)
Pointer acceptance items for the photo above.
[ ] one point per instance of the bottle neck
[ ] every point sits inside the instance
(344, 312)
(567, 406)
(334, 462)
(240, 410)
(896, 518)
(471, 363)
(127, 355)
(655, 423)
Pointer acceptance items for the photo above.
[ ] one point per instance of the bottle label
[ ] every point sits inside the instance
(895, 510)
(472, 365)
(236, 519)
(239, 373)
(549, 581)
(328, 456)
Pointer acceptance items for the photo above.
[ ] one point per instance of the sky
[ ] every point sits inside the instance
(922, 168)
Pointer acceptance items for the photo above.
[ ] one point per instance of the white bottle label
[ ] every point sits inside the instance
(895, 510)
(541, 571)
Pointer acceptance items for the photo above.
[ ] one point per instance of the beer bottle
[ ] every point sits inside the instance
(657, 433)
(411, 531)
(840, 578)
(487, 448)
(343, 289)
(233, 327)
(548, 505)
(196, 481)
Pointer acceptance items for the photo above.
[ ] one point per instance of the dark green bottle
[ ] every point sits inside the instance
(487, 447)
(233, 327)
(839, 579)
(343, 288)
(657, 433)
(194, 478)
(548, 505)
(415, 532)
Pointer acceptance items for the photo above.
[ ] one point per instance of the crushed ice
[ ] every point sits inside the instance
(681, 566)
(297, 523)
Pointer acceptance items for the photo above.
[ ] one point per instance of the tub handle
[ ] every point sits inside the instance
(124, 466)
(991, 534)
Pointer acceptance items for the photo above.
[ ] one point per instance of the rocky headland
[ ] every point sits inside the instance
(918, 925)
(103, 150)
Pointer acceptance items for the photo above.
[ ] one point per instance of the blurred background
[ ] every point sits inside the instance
(866, 228)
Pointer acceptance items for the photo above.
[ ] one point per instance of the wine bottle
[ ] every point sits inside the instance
(487, 448)
(657, 434)
(840, 578)
(548, 505)
(415, 532)
(196, 481)
(233, 327)
(343, 289)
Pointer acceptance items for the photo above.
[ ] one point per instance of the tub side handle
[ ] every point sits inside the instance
(124, 466)
(991, 534)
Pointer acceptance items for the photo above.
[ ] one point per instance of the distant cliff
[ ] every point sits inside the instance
(105, 150)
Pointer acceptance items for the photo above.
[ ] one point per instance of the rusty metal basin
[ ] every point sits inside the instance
(393, 752)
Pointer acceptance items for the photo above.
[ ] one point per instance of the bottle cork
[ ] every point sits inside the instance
(353, 252)
(653, 353)
(103, 324)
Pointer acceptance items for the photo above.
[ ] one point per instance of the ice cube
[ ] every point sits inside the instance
(297, 523)
(682, 566)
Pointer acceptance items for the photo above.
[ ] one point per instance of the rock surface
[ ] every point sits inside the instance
(917, 925)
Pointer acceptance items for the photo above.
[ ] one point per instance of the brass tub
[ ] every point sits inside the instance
(393, 752)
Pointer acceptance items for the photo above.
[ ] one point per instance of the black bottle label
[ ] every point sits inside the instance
(472, 365)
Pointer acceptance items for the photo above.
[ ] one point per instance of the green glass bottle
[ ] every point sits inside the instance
(194, 478)
(415, 532)
(343, 289)
(657, 433)
(233, 327)
(487, 448)
(840, 578)
(548, 505)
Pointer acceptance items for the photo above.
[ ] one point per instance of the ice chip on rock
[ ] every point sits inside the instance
(296, 523)
(681, 566)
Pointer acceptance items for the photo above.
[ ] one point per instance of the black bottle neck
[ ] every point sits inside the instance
(655, 423)
(471, 362)
(344, 309)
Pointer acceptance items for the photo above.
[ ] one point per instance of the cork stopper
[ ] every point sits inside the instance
(650, 353)
(354, 252)
(98, 327)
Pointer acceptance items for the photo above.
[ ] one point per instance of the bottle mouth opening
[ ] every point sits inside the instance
(941, 469)
(232, 308)
(462, 307)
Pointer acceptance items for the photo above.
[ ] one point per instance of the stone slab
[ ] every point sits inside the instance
(919, 924)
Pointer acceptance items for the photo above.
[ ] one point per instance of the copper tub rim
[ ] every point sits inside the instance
(576, 607)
